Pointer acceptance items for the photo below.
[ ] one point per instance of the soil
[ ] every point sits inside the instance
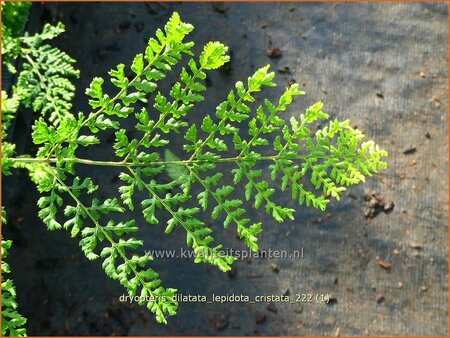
(383, 66)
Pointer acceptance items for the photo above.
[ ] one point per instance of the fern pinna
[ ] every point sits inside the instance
(330, 159)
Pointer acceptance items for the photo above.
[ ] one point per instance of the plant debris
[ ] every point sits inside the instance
(375, 204)
(274, 53)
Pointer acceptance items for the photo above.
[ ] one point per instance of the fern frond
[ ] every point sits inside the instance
(9, 109)
(14, 18)
(12, 321)
(276, 155)
(113, 243)
(43, 83)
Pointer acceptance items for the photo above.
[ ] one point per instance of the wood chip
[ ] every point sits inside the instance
(337, 332)
(383, 264)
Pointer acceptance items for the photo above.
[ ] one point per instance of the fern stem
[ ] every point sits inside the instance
(146, 164)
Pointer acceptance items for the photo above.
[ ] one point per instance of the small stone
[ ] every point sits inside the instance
(274, 53)
(415, 246)
(388, 207)
(437, 102)
(284, 70)
(272, 308)
(396, 252)
(428, 135)
(400, 285)
(260, 318)
(139, 26)
(422, 74)
(232, 272)
(332, 300)
(274, 267)
(410, 150)
(221, 322)
(220, 6)
(124, 25)
(101, 53)
(379, 298)
(423, 288)
(352, 196)
(74, 18)
(299, 309)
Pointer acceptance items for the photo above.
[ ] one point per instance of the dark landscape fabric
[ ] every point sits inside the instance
(379, 255)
